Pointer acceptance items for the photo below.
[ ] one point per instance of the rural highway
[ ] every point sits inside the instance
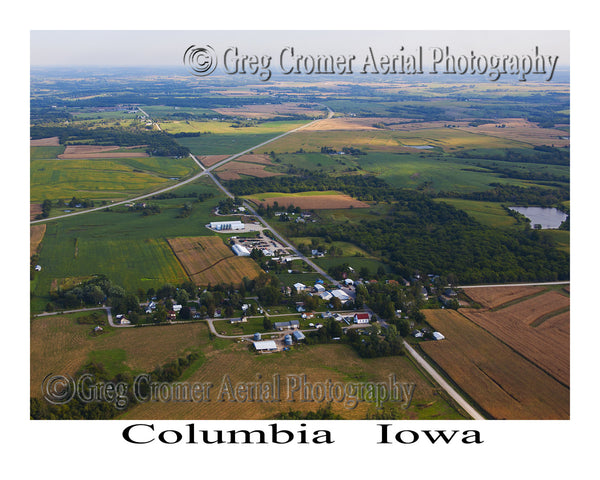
(205, 171)
(442, 383)
(537, 284)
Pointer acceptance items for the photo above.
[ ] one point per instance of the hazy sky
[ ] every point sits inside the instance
(139, 47)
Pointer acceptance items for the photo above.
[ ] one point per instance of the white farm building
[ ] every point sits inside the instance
(230, 225)
(240, 250)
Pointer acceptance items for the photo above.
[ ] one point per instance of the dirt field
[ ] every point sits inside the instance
(45, 142)
(34, 210)
(546, 345)
(523, 131)
(36, 234)
(208, 260)
(98, 151)
(210, 160)
(316, 202)
(500, 380)
(233, 170)
(495, 296)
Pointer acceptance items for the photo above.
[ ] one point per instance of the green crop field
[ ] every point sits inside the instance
(104, 179)
(128, 247)
(40, 153)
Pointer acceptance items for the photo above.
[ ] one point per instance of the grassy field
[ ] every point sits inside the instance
(484, 368)
(225, 144)
(487, 213)
(42, 153)
(371, 264)
(104, 179)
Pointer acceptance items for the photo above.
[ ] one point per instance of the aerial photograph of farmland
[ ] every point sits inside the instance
(348, 231)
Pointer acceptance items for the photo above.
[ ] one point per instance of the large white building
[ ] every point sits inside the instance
(240, 250)
(229, 225)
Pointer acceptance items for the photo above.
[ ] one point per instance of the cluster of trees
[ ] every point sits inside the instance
(419, 234)
(363, 187)
(514, 194)
(346, 150)
(158, 143)
(542, 154)
(270, 210)
(230, 205)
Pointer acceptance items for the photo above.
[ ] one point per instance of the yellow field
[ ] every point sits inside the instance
(208, 260)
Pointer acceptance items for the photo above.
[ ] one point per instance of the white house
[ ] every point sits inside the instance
(438, 336)
(319, 288)
(300, 287)
(177, 307)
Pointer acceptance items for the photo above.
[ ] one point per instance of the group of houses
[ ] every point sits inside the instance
(327, 295)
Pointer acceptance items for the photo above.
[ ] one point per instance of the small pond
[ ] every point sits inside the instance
(546, 217)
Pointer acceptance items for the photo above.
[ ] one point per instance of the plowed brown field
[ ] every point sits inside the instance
(208, 260)
(500, 380)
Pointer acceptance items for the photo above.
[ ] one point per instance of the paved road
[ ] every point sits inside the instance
(538, 284)
(445, 385)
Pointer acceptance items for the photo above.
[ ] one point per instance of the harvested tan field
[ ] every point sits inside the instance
(523, 131)
(528, 311)
(317, 202)
(500, 380)
(208, 260)
(491, 297)
(98, 151)
(233, 170)
(45, 142)
(256, 158)
(210, 160)
(559, 324)
(547, 347)
(270, 111)
(36, 234)
(60, 346)
(34, 210)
